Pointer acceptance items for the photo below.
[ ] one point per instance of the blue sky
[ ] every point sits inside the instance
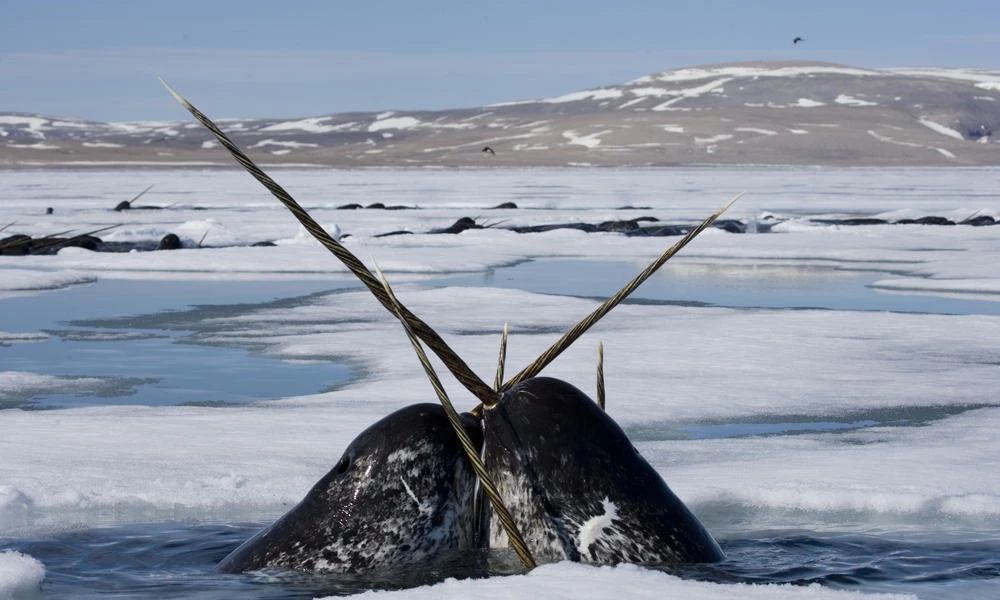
(100, 58)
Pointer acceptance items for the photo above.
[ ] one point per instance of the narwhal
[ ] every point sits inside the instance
(562, 478)
(402, 495)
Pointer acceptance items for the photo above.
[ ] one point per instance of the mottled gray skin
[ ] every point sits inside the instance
(403, 494)
(577, 487)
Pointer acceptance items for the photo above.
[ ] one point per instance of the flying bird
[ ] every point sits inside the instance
(797, 40)
(489, 150)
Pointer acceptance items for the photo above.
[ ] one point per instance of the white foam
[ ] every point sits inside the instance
(20, 576)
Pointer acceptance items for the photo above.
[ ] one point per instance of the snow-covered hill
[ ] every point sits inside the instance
(749, 113)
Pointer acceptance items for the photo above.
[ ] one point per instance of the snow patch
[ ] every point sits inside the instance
(939, 128)
(575, 581)
(756, 130)
(690, 93)
(591, 140)
(982, 79)
(12, 280)
(34, 125)
(852, 101)
(283, 144)
(632, 102)
(35, 146)
(713, 139)
(889, 140)
(706, 73)
(310, 125)
(394, 123)
(807, 103)
(599, 94)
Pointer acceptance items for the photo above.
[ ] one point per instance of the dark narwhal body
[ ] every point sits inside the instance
(576, 486)
(403, 494)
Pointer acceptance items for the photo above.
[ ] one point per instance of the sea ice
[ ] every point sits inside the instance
(582, 582)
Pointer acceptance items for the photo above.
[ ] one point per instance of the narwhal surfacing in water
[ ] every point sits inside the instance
(572, 482)
(402, 495)
(577, 487)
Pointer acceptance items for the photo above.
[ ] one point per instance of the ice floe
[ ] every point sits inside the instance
(914, 395)
(35, 146)
(581, 582)
(694, 92)
(7, 337)
(22, 280)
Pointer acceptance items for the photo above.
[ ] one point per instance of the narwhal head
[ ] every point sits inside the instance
(401, 495)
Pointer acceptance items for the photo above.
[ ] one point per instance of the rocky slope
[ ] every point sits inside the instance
(769, 113)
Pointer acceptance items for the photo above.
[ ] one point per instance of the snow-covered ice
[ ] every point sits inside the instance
(922, 385)
(582, 582)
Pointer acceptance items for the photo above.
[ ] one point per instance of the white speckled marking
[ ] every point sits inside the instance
(595, 526)
(410, 492)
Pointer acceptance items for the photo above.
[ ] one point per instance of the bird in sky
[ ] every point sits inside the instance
(797, 40)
